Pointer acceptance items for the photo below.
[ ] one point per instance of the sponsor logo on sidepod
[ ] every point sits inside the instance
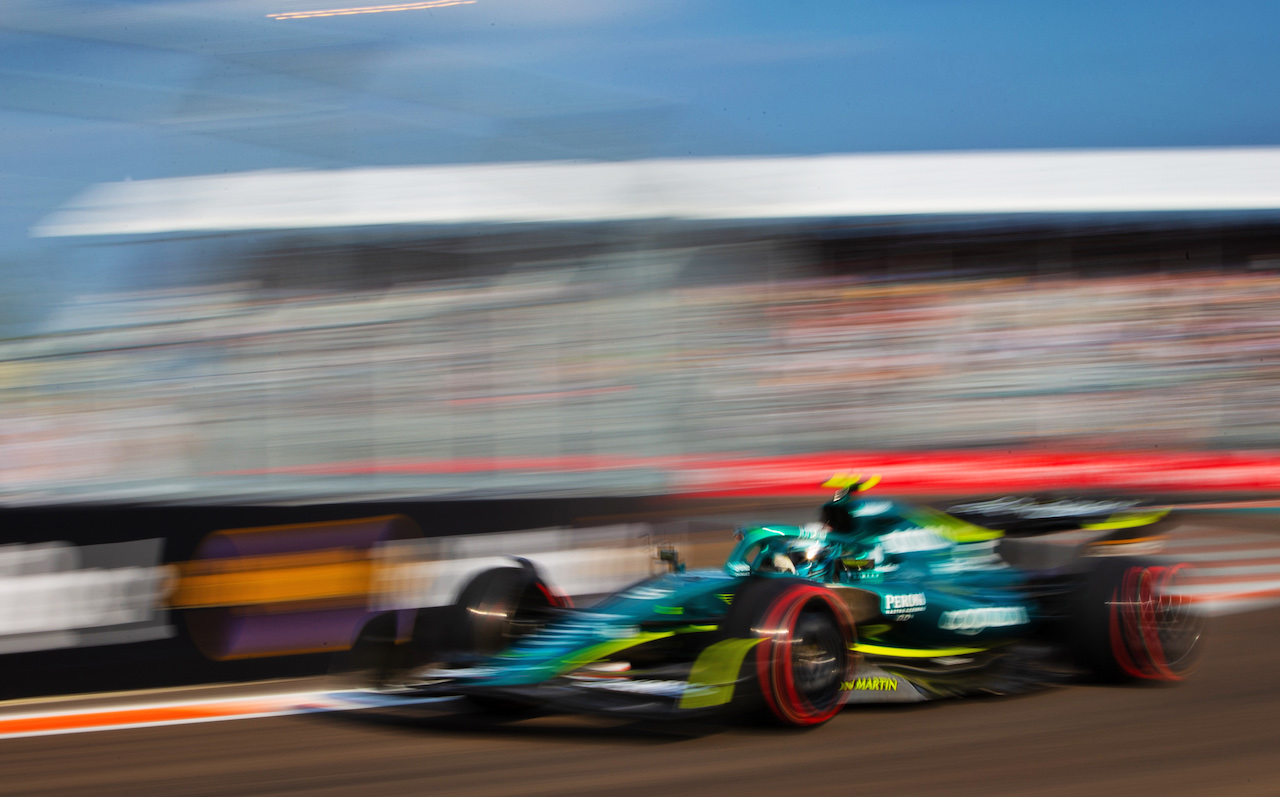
(903, 604)
(913, 541)
(971, 621)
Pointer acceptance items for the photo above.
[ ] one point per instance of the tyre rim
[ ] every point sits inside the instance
(803, 660)
(1177, 624)
(817, 658)
(1155, 631)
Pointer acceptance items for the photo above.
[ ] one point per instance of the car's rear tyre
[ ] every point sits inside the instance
(803, 661)
(1131, 622)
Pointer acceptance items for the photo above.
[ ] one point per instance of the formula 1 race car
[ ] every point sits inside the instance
(878, 602)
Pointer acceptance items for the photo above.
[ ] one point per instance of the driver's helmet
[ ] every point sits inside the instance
(808, 558)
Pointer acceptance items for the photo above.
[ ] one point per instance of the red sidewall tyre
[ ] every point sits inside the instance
(1131, 623)
(1139, 602)
(775, 660)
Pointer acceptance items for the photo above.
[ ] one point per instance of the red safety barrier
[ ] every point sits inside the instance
(970, 473)
(905, 473)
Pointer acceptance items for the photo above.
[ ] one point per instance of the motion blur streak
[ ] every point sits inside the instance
(56, 595)
(648, 326)
(330, 575)
(152, 714)
(338, 12)
(235, 390)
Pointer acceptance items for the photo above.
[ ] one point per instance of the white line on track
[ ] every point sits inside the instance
(187, 712)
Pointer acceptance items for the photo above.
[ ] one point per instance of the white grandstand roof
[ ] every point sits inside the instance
(828, 186)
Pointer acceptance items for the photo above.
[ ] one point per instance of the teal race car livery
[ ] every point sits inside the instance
(878, 601)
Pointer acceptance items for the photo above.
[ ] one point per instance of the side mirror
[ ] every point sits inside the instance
(858, 564)
(672, 558)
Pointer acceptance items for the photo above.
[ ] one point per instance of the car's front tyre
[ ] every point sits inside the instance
(803, 660)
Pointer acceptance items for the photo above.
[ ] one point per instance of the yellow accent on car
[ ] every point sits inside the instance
(953, 528)
(839, 481)
(912, 653)
(600, 651)
(715, 672)
(1127, 520)
(597, 652)
(878, 684)
(842, 481)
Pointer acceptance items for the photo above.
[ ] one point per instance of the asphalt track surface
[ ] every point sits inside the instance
(1216, 734)
(1219, 733)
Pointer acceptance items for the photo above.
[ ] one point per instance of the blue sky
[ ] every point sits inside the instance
(101, 91)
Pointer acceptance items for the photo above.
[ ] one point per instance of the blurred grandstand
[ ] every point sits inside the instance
(562, 328)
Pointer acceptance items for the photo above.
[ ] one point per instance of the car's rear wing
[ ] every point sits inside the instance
(1116, 520)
